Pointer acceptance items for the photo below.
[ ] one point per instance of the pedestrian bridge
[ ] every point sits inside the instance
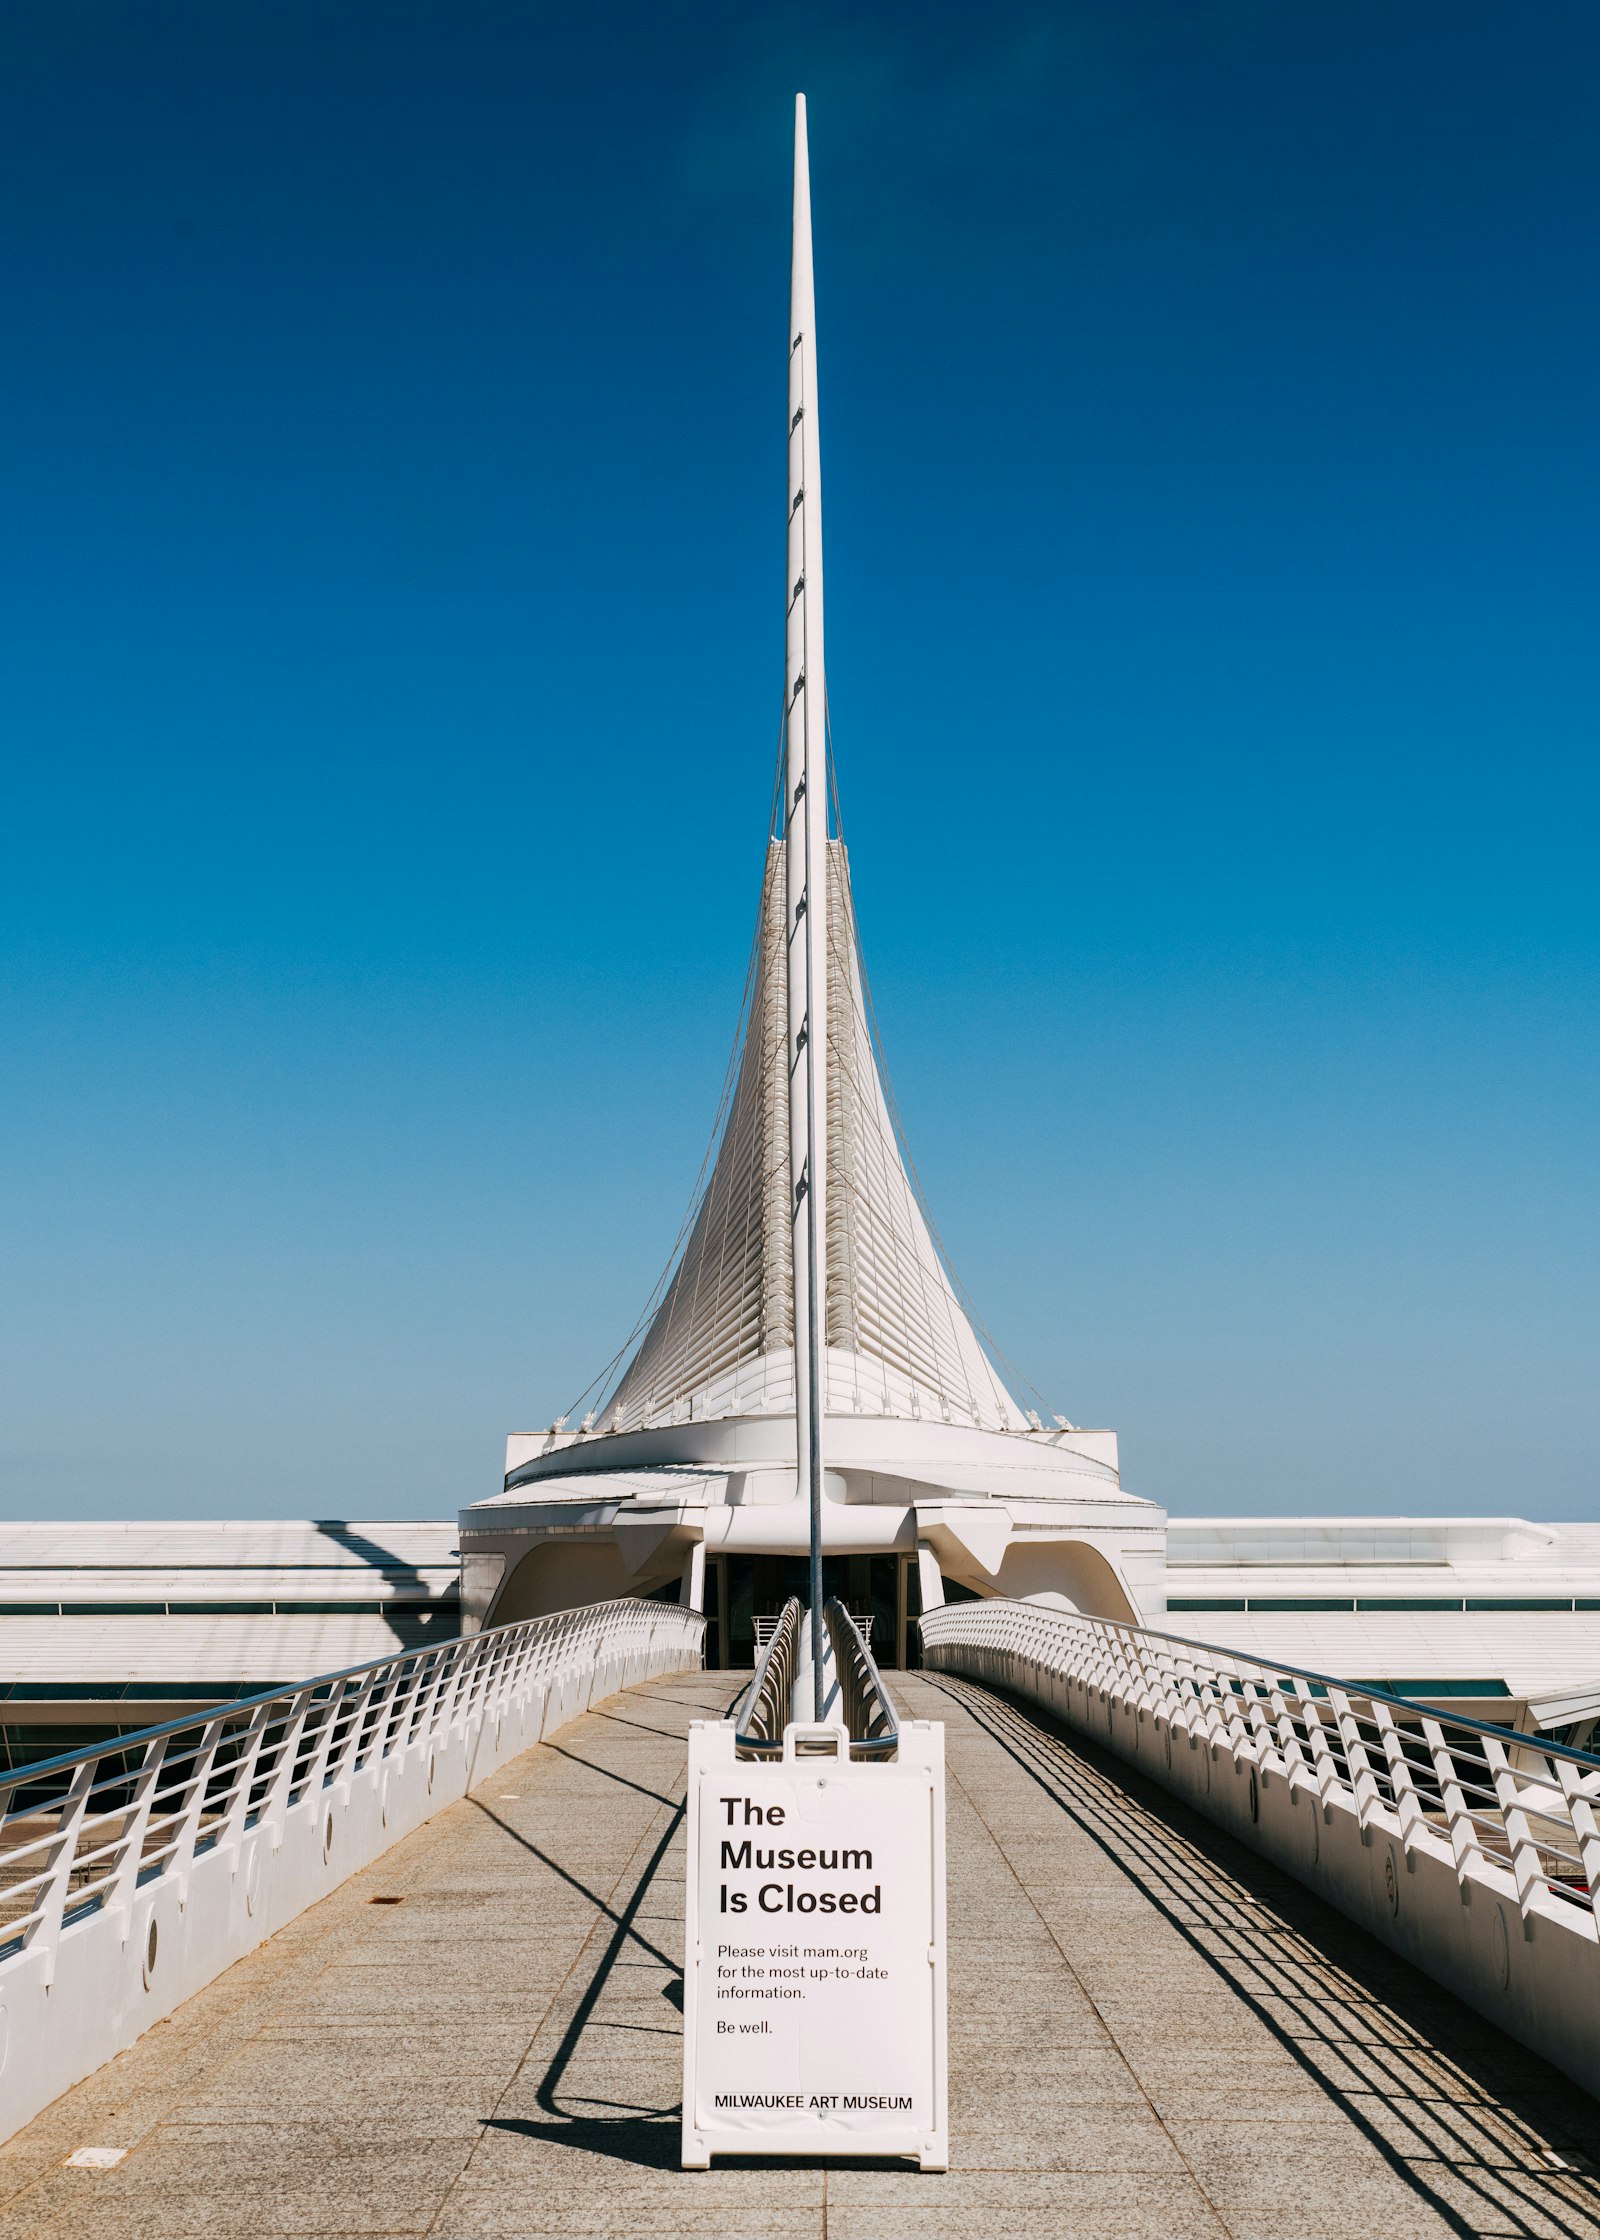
(467, 2020)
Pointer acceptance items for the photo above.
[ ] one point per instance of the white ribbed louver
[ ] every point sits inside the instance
(721, 1341)
(890, 1303)
(729, 1300)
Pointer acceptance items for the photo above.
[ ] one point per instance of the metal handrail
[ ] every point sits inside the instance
(81, 1831)
(470, 1648)
(1493, 1795)
(869, 1714)
(1369, 1692)
(763, 1710)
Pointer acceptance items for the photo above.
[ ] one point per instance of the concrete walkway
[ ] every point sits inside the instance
(1151, 2033)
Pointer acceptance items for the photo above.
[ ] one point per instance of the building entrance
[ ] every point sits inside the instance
(740, 1589)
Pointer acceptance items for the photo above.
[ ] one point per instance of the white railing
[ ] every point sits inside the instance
(132, 1874)
(864, 1702)
(1473, 1850)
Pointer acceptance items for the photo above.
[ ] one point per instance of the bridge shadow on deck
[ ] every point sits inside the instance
(648, 2138)
(645, 2138)
(1490, 2137)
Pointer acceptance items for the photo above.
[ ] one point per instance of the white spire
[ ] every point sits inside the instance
(805, 836)
(809, 1220)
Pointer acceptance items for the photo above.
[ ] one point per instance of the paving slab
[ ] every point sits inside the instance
(1151, 2034)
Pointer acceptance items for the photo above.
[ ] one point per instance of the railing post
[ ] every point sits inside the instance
(1459, 1822)
(475, 1671)
(1401, 1781)
(426, 1722)
(130, 1856)
(1363, 1782)
(518, 1679)
(340, 1774)
(1208, 1687)
(494, 1681)
(410, 1720)
(280, 1789)
(1231, 1695)
(1141, 1684)
(1191, 1710)
(53, 1893)
(1170, 1694)
(322, 1752)
(1324, 1766)
(243, 1775)
(384, 1725)
(1526, 1867)
(1263, 1734)
(1585, 1827)
(187, 1831)
(1291, 1756)
(457, 1674)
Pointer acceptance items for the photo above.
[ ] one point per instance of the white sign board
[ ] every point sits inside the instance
(814, 1968)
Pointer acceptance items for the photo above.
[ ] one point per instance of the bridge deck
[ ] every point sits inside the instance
(1151, 2032)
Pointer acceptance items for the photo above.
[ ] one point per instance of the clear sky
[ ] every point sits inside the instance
(392, 411)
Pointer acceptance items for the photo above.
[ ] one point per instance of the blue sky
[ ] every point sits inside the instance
(392, 400)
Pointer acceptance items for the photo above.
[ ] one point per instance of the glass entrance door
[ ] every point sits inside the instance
(740, 1589)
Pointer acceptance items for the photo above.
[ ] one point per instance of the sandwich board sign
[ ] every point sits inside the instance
(814, 1963)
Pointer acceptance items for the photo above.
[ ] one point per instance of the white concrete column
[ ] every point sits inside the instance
(930, 1576)
(692, 1594)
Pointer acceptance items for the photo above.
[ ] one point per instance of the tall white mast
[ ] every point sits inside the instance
(805, 860)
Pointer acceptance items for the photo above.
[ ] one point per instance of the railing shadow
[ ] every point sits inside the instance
(1456, 2109)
